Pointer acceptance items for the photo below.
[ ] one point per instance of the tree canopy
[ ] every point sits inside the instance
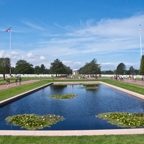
(90, 68)
(4, 66)
(141, 71)
(57, 67)
(23, 67)
(121, 68)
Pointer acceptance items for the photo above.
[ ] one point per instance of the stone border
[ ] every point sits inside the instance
(73, 132)
(14, 98)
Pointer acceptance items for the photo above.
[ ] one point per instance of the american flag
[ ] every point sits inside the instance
(7, 30)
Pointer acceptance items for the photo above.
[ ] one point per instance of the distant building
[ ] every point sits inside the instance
(75, 72)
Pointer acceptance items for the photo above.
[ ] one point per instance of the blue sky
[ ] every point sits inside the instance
(74, 31)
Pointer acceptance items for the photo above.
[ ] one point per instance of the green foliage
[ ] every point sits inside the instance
(23, 67)
(88, 87)
(32, 121)
(42, 69)
(37, 72)
(66, 96)
(90, 68)
(141, 71)
(131, 70)
(4, 66)
(57, 67)
(124, 119)
(121, 68)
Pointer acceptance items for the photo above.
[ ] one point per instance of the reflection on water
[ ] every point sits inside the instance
(79, 112)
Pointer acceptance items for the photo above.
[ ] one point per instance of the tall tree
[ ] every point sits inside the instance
(121, 68)
(56, 67)
(23, 67)
(131, 70)
(141, 71)
(90, 68)
(37, 69)
(42, 69)
(4, 66)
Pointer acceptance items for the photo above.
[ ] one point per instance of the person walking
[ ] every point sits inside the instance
(132, 78)
(142, 79)
(135, 78)
(8, 82)
(40, 78)
(19, 80)
(16, 80)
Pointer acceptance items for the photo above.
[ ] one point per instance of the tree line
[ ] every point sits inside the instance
(57, 67)
(24, 67)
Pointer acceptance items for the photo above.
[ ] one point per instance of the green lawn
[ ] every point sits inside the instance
(10, 92)
(105, 139)
(132, 87)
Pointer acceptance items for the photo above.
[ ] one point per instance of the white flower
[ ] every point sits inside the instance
(105, 115)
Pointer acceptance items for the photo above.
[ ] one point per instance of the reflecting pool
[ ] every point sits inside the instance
(79, 112)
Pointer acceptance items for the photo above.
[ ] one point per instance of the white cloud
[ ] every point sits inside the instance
(42, 58)
(32, 25)
(113, 66)
(14, 53)
(2, 53)
(30, 55)
(74, 65)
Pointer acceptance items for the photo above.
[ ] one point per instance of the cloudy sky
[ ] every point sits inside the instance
(74, 31)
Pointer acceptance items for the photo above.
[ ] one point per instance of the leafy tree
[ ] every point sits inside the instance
(141, 71)
(23, 67)
(37, 69)
(4, 66)
(121, 68)
(90, 68)
(131, 70)
(136, 71)
(12, 70)
(42, 69)
(56, 67)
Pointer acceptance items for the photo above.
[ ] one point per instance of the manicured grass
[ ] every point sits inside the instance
(10, 92)
(128, 86)
(105, 139)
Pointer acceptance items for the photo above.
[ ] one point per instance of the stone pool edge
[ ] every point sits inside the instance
(14, 98)
(72, 132)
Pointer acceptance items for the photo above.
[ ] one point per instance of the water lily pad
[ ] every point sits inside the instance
(66, 96)
(33, 122)
(88, 87)
(122, 119)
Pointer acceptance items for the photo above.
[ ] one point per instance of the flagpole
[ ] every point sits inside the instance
(140, 43)
(10, 50)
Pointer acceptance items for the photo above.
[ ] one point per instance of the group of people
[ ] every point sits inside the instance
(130, 77)
(16, 80)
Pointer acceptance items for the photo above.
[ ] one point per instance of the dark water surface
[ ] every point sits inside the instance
(79, 112)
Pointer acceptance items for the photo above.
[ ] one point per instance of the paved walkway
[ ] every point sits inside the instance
(137, 82)
(14, 85)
